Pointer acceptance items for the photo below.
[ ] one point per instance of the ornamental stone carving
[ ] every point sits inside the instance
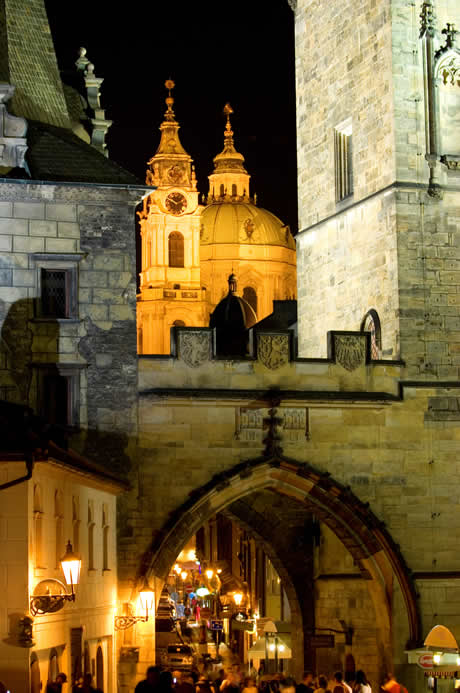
(273, 350)
(194, 347)
(13, 143)
(350, 350)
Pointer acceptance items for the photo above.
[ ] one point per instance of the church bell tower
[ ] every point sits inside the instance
(170, 287)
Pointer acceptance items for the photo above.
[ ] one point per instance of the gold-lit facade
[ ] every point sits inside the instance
(189, 250)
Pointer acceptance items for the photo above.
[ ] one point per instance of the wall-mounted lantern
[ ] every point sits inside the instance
(147, 600)
(44, 600)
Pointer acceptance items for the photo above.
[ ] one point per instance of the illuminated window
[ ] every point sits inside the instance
(176, 249)
(343, 158)
(371, 323)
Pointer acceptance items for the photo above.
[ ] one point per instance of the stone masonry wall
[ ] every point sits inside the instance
(398, 458)
(343, 70)
(94, 228)
(347, 266)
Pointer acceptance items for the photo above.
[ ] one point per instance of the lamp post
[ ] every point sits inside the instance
(147, 600)
(71, 566)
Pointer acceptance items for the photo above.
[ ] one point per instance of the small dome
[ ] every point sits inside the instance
(233, 312)
(243, 223)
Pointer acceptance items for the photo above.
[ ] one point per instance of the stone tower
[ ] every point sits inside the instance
(171, 291)
(378, 103)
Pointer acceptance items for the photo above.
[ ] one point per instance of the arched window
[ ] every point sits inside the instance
(371, 323)
(222, 190)
(105, 538)
(176, 249)
(59, 526)
(100, 669)
(75, 524)
(179, 323)
(38, 527)
(140, 341)
(233, 190)
(90, 535)
(250, 295)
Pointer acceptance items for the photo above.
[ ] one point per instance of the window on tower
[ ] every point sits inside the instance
(371, 323)
(343, 159)
(176, 249)
(250, 295)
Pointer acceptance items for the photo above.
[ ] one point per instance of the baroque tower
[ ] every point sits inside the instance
(379, 187)
(170, 287)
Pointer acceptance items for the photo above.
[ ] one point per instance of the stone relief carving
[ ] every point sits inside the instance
(350, 351)
(194, 347)
(13, 143)
(273, 350)
(294, 424)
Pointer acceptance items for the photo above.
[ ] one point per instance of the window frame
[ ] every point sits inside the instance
(71, 372)
(343, 160)
(178, 241)
(60, 262)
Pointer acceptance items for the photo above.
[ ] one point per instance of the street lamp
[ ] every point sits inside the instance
(147, 600)
(238, 598)
(71, 565)
(209, 573)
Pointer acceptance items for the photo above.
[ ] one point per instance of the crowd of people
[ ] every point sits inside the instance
(232, 681)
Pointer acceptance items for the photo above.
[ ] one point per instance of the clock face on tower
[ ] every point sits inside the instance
(176, 203)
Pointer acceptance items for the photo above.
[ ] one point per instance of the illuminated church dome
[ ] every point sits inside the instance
(236, 235)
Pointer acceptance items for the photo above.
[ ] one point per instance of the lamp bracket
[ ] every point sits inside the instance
(49, 603)
(124, 622)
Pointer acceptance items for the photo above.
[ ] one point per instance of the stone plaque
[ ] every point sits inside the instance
(194, 347)
(273, 350)
(350, 350)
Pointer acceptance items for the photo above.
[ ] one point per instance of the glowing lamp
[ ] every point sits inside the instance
(238, 598)
(209, 573)
(71, 565)
(177, 569)
(458, 660)
(281, 648)
(184, 575)
(437, 658)
(147, 598)
(202, 591)
(271, 647)
(219, 570)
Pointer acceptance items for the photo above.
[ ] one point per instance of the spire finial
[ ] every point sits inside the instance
(228, 134)
(232, 283)
(169, 115)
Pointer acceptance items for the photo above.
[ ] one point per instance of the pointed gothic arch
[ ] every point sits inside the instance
(361, 532)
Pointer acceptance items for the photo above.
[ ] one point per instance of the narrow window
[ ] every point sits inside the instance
(59, 526)
(75, 524)
(55, 284)
(56, 396)
(371, 323)
(176, 249)
(38, 526)
(222, 190)
(233, 190)
(90, 536)
(105, 538)
(99, 669)
(343, 156)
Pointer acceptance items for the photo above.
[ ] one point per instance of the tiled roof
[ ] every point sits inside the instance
(56, 154)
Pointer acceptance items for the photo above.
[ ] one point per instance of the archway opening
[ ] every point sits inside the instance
(338, 565)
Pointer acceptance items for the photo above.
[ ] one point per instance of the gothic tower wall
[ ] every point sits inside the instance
(378, 199)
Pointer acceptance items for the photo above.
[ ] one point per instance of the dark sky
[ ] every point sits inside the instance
(238, 51)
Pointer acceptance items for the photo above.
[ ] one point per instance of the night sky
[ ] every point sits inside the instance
(239, 51)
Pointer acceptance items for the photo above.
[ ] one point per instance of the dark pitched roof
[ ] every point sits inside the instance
(56, 154)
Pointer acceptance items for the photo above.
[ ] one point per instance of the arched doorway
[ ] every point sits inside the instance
(260, 493)
(100, 668)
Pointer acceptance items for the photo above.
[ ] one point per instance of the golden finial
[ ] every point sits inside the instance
(228, 110)
(169, 84)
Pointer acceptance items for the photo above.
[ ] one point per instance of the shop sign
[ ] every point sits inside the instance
(217, 625)
(317, 641)
(425, 661)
